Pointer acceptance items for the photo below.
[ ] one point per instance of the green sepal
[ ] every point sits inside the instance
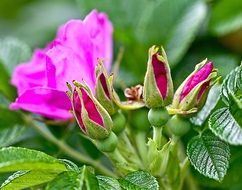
(157, 159)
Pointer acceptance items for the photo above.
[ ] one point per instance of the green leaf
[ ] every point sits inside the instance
(12, 135)
(232, 88)
(108, 183)
(226, 123)
(184, 31)
(16, 158)
(24, 179)
(4, 102)
(211, 102)
(13, 52)
(70, 180)
(209, 155)
(139, 180)
(226, 17)
(89, 179)
(9, 118)
(5, 88)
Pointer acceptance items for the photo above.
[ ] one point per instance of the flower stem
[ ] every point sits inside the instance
(43, 131)
(140, 139)
(157, 132)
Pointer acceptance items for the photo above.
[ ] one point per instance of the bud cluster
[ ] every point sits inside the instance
(100, 114)
(189, 98)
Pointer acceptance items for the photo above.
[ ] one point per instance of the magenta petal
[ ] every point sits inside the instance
(31, 74)
(160, 75)
(70, 66)
(50, 73)
(202, 90)
(104, 85)
(48, 102)
(93, 114)
(195, 79)
(72, 55)
(77, 108)
(100, 30)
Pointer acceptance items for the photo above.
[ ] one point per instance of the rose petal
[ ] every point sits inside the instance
(31, 74)
(77, 107)
(70, 66)
(160, 75)
(104, 85)
(198, 77)
(92, 111)
(48, 102)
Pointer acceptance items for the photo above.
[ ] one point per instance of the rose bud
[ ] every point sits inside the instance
(92, 118)
(103, 89)
(192, 93)
(158, 86)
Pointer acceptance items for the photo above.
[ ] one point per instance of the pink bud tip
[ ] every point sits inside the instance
(195, 79)
(160, 75)
(92, 111)
(77, 107)
(104, 85)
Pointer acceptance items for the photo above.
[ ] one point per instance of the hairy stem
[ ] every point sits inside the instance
(140, 140)
(157, 135)
(44, 132)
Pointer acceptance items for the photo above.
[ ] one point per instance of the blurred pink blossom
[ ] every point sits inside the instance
(72, 55)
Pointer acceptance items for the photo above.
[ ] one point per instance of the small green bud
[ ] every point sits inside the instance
(158, 116)
(119, 122)
(108, 144)
(178, 125)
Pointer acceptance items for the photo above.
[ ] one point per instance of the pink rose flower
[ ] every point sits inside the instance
(41, 83)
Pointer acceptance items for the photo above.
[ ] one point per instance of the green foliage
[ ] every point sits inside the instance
(211, 102)
(9, 118)
(189, 32)
(108, 183)
(226, 17)
(232, 88)
(226, 125)
(12, 135)
(83, 179)
(209, 155)
(16, 158)
(139, 180)
(141, 23)
(24, 179)
(226, 122)
(13, 52)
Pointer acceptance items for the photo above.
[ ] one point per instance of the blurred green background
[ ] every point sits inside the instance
(189, 30)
